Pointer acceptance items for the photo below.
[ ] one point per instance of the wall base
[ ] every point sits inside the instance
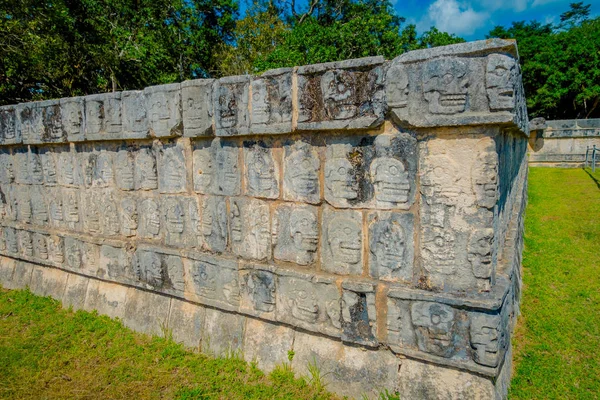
(347, 370)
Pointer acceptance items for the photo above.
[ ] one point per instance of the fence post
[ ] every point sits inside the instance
(594, 159)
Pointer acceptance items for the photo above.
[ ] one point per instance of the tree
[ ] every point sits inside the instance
(560, 64)
(58, 48)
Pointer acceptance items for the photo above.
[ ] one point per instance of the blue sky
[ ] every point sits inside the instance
(474, 19)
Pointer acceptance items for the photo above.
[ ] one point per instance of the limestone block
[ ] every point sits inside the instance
(7, 269)
(272, 102)
(196, 98)
(48, 158)
(40, 246)
(250, 228)
(145, 175)
(214, 223)
(92, 210)
(346, 370)
(114, 264)
(129, 216)
(223, 333)
(98, 165)
(150, 221)
(172, 176)
(107, 298)
(25, 243)
(47, 281)
(55, 129)
(7, 170)
(56, 250)
(22, 202)
(261, 170)
(342, 242)
(309, 302)
(73, 118)
(258, 288)
(159, 272)
(374, 172)
(73, 253)
(75, 291)
(10, 240)
(419, 380)
(464, 84)
(55, 207)
(295, 233)
(213, 281)
(391, 246)
(29, 124)
(230, 100)
(103, 116)
(341, 95)
(9, 132)
(124, 167)
(267, 344)
(181, 219)
(359, 316)
(40, 122)
(70, 171)
(134, 120)
(301, 170)
(459, 188)
(21, 165)
(436, 327)
(22, 275)
(163, 108)
(71, 209)
(146, 312)
(186, 322)
(217, 167)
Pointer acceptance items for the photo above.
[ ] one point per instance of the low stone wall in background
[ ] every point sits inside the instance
(563, 143)
(365, 214)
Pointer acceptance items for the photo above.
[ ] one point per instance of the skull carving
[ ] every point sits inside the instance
(445, 85)
(390, 180)
(500, 80)
(339, 94)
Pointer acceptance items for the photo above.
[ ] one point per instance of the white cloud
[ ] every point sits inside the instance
(514, 5)
(453, 17)
(537, 3)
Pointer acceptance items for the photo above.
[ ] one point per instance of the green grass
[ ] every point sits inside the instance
(47, 352)
(557, 343)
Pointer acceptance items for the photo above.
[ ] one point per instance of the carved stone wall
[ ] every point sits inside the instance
(366, 214)
(562, 143)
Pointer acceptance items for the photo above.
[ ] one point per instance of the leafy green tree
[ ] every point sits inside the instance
(560, 64)
(57, 48)
(434, 38)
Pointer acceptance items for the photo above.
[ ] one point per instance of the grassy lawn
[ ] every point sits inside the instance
(50, 353)
(557, 346)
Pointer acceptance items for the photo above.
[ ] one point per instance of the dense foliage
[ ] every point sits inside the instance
(560, 63)
(58, 48)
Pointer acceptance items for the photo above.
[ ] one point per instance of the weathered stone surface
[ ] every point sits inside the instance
(295, 233)
(342, 95)
(309, 302)
(145, 175)
(75, 291)
(391, 246)
(217, 168)
(214, 223)
(186, 323)
(375, 172)
(103, 116)
(149, 225)
(258, 288)
(7, 269)
(196, 101)
(342, 242)
(419, 380)
(22, 275)
(301, 169)
(114, 264)
(267, 344)
(9, 129)
(213, 281)
(7, 171)
(172, 176)
(73, 118)
(163, 110)
(230, 101)
(48, 282)
(261, 171)
(146, 312)
(223, 333)
(10, 241)
(159, 272)
(359, 316)
(107, 298)
(272, 102)
(250, 228)
(349, 371)
(134, 120)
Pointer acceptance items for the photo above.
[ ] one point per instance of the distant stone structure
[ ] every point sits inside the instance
(366, 214)
(562, 143)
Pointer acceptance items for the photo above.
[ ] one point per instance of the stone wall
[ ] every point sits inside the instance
(562, 143)
(365, 214)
